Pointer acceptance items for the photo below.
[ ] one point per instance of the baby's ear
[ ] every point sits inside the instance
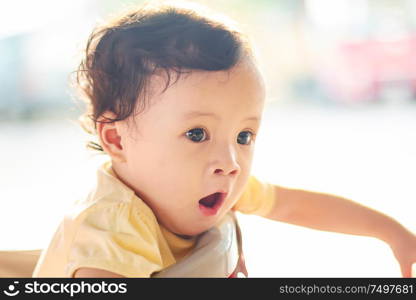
(110, 137)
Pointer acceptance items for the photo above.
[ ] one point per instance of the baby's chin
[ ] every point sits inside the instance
(189, 228)
(188, 232)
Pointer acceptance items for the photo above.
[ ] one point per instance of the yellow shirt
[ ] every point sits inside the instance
(114, 230)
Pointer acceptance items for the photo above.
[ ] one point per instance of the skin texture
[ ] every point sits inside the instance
(152, 154)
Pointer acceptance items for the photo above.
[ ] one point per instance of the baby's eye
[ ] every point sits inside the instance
(196, 135)
(245, 137)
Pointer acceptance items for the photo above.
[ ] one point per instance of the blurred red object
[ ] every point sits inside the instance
(361, 70)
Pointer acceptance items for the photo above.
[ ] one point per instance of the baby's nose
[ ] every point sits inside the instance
(224, 160)
(226, 164)
(224, 171)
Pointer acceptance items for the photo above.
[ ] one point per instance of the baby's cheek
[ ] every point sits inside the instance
(238, 190)
(243, 180)
(232, 204)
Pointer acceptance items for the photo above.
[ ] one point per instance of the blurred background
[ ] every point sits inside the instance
(340, 118)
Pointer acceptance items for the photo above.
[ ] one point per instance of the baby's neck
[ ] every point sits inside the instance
(186, 237)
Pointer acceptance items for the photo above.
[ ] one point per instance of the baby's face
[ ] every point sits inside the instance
(194, 140)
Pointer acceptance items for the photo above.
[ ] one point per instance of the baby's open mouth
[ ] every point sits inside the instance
(210, 204)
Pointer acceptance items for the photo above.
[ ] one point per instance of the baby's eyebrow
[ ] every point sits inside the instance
(196, 114)
(257, 119)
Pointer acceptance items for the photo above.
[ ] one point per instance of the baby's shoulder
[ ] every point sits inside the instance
(110, 212)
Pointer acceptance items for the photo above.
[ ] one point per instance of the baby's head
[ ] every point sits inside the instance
(176, 101)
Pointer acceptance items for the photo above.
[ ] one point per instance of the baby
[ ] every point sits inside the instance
(176, 101)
